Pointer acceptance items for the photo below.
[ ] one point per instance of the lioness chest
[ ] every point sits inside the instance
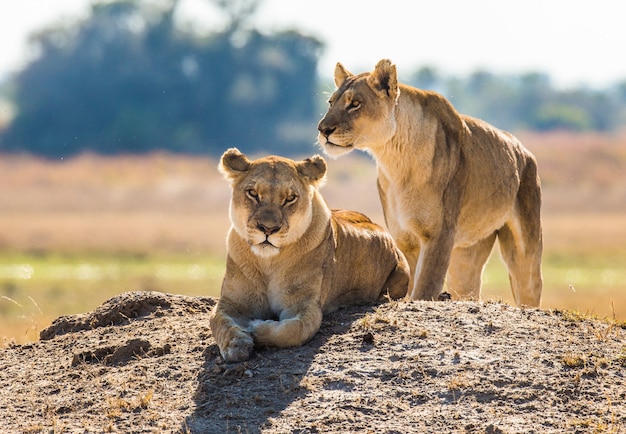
(288, 284)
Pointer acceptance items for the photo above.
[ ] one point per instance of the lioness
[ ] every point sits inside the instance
(449, 184)
(291, 259)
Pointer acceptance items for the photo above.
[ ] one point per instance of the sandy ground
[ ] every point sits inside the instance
(146, 362)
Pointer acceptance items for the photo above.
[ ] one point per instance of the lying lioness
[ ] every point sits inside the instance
(291, 259)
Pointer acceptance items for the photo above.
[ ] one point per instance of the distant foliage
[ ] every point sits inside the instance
(528, 101)
(127, 80)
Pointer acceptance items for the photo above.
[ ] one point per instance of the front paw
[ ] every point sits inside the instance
(238, 349)
(285, 333)
(263, 331)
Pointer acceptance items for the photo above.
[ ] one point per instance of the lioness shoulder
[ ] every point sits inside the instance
(290, 259)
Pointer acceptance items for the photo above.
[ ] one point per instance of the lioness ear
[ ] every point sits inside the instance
(384, 79)
(313, 168)
(233, 163)
(341, 74)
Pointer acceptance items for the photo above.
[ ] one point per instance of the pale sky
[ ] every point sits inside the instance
(576, 42)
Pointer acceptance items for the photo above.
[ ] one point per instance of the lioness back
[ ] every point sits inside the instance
(356, 218)
(381, 256)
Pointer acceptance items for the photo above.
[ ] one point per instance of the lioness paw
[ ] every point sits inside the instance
(265, 332)
(262, 327)
(291, 332)
(238, 349)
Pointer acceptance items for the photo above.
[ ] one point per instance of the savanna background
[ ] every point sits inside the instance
(110, 135)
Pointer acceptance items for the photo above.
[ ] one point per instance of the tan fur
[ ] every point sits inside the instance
(449, 184)
(291, 259)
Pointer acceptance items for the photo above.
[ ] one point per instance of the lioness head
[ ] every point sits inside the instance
(271, 199)
(361, 111)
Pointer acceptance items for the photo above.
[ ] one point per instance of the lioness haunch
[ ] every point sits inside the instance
(449, 184)
(291, 259)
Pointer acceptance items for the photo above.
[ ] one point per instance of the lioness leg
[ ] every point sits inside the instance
(431, 268)
(411, 253)
(521, 242)
(228, 328)
(294, 327)
(524, 263)
(465, 271)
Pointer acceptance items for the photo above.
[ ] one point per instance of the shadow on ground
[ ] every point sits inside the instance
(244, 397)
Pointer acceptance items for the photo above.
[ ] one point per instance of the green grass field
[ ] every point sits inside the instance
(35, 289)
(591, 288)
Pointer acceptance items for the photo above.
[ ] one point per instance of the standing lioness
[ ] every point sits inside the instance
(449, 184)
(291, 259)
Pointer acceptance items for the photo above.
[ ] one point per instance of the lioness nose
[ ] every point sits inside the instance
(326, 131)
(268, 230)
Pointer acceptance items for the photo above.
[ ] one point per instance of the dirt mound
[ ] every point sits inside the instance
(146, 362)
(124, 308)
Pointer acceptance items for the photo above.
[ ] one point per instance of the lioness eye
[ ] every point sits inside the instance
(252, 194)
(291, 198)
(354, 105)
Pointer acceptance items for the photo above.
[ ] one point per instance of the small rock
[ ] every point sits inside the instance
(368, 338)
(444, 296)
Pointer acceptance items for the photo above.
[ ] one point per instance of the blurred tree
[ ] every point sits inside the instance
(527, 101)
(126, 80)
(619, 92)
(428, 78)
(239, 13)
(555, 116)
